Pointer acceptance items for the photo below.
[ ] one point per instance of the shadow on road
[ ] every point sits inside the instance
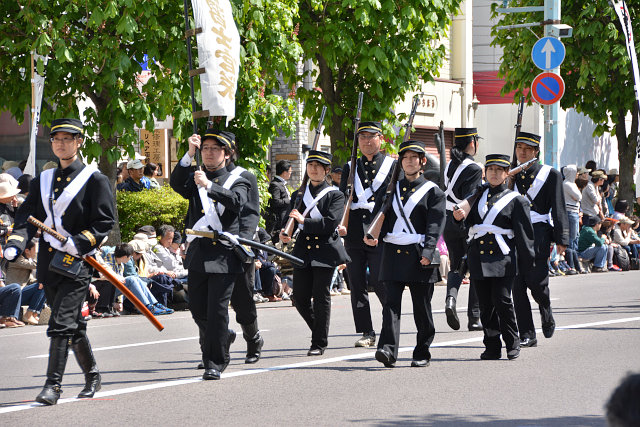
(457, 420)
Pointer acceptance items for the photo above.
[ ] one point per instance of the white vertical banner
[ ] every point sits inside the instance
(219, 54)
(37, 87)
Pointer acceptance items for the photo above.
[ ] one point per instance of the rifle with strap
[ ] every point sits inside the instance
(106, 273)
(514, 159)
(373, 232)
(352, 170)
(289, 227)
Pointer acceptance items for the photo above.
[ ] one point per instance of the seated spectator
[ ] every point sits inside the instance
(21, 271)
(613, 178)
(10, 305)
(624, 236)
(590, 246)
(177, 247)
(163, 251)
(606, 232)
(591, 199)
(150, 173)
(583, 178)
(620, 209)
(8, 200)
(23, 185)
(114, 259)
(135, 169)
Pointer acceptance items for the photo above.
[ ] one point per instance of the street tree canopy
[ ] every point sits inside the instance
(382, 48)
(596, 70)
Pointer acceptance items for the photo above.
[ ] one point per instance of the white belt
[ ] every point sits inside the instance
(363, 205)
(402, 238)
(479, 230)
(538, 217)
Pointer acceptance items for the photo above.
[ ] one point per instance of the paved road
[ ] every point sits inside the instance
(150, 378)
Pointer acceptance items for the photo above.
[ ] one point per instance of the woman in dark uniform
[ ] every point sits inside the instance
(501, 245)
(462, 177)
(409, 235)
(319, 245)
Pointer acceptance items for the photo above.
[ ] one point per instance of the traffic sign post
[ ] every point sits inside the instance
(547, 88)
(548, 53)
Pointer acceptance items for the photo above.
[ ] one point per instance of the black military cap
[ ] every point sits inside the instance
(412, 145)
(464, 136)
(320, 157)
(73, 126)
(502, 160)
(372, 127)
(528, 138)
(225, 138)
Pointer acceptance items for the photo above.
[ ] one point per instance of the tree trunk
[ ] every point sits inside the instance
(110, 170)
(627, 153)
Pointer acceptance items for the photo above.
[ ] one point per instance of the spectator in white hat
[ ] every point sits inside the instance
(135, 169)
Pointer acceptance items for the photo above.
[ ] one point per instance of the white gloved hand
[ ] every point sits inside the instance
(70, 248)
(10, 253)
(232, 238)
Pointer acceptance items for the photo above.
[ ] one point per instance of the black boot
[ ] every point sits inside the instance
(58, 352)
(251, 334)
(82, 349)
(450, 311)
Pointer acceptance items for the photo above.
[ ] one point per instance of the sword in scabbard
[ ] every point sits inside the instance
(235, 240)
(106, 273)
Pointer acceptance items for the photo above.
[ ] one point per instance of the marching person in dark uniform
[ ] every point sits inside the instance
(373, 172)
(216, 198)
(542, 186)
(319, 246)
(76, 200)
(409, 234)
(242, 296)
(501, 245)
(280, 200)
(462, 177)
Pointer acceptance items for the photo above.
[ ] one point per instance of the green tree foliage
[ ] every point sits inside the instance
(95, 48)
(150, 207)
(382, 48)
(596, 70)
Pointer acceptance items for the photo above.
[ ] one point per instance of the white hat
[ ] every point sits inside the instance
(134, 164)
(8, 190)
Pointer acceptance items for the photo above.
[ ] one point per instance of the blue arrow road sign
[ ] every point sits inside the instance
(548, 53)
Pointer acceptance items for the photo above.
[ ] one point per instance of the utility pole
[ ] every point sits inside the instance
(551, 16)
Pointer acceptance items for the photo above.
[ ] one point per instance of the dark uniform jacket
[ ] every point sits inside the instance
(89, 218)
(550, 198)
(278, 205)
(485, 259)
(401, 263)
(205, 255)
(130, 185)
(318, 244)
(250, 212)
(468, 183)
(359, 219)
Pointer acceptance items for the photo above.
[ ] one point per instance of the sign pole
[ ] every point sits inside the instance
(551, 13)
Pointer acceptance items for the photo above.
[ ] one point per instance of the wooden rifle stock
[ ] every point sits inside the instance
(106, 273)
(373, 232)
(289, 227)
(352, 170)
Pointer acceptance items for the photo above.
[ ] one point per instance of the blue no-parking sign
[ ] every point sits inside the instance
(548, 53)
(547, 88)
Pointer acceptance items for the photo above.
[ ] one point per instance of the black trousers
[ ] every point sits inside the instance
(456, 240)
(308, 283)
(242, 296)
(497, 313)
(66, 298)
(537, 280)
(107, 295)
(209, 296)
(421, 294)
(363, 256)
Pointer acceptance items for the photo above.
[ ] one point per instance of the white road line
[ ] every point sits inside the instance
(315, 362)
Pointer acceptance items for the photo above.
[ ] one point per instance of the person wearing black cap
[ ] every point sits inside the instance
(215, 200)
(242, 297)
(280, 200)
(409, 236)
(462, 177)
(542, 186)
(77, 201)
(373, 172)
(319, 246)
(501, 244)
